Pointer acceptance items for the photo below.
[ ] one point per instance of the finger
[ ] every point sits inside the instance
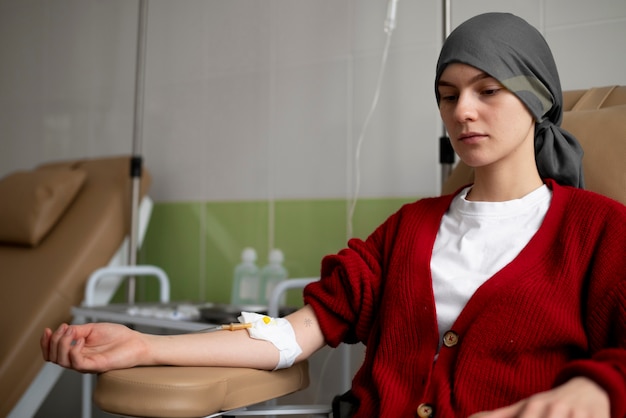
(65, 345)
(510, 411)
(44, 342)
(75, 356)
(484, 414)
(54, 342)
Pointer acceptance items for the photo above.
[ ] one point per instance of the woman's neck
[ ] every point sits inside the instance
(491, 187)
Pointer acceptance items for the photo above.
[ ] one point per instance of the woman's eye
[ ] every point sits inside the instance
(490, 92)
(448, 98)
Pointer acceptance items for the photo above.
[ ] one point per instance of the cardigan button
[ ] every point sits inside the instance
(450, 339)
(425, 410)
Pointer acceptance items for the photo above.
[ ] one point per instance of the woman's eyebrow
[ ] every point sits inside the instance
(477, 77)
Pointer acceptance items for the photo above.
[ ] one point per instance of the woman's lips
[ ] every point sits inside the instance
(471, 137)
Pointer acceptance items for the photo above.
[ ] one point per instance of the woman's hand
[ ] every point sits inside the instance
(579, 397)
(93, 347)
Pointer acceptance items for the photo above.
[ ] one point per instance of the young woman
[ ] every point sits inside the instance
(505, 299)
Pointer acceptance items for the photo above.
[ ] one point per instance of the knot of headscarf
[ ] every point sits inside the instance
(558, 154)
(513, 52)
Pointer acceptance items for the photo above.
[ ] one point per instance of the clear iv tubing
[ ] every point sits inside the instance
(389, 27)
(357, 154)
(233, 326)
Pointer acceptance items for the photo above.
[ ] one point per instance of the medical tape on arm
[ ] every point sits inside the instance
(278, 331)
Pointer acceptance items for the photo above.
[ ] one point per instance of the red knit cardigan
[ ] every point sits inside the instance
(558, 310)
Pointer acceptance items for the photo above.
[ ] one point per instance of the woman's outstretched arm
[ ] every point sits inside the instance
(98, 347)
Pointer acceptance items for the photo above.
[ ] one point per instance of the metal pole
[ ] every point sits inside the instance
(136, 160)
(446, 153)
(447, 19)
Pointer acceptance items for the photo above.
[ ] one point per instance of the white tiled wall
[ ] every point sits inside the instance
(256, 99)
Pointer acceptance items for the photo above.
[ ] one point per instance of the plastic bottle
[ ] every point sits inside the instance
(246, 281)
(272, 274)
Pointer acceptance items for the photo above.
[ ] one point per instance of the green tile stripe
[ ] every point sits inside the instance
(199, 244)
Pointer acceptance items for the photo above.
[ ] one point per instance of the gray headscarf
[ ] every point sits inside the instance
(513, 52)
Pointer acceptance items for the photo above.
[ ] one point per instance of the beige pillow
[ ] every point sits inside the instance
(602, 134)
(31, 202)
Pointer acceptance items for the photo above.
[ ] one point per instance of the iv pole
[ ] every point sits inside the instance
(136, 159)
(446, 153)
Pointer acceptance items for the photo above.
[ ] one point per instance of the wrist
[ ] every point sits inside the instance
(590, 385)
(149, 349)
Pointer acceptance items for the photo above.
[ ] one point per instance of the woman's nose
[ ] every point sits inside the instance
(465, 109)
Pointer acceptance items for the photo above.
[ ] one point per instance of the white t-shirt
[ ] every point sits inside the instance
(475, 241)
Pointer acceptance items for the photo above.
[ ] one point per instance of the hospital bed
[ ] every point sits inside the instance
(58, 223)
(597, 117)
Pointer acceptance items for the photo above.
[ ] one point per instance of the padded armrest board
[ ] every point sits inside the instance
(185, 392)
(40, 285)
